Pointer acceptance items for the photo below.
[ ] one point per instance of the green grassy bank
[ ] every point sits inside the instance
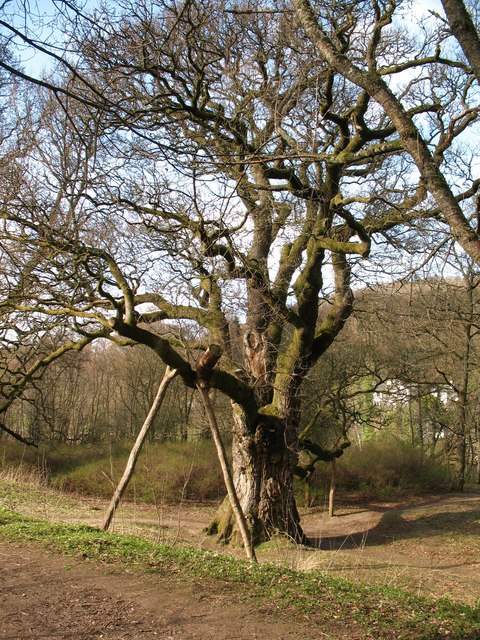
(381, 613)
(169, 472)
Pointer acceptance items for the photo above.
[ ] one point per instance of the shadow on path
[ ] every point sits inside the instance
(461, 515)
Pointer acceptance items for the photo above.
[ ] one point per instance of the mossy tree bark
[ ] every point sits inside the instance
(264, 457)
(265, 443)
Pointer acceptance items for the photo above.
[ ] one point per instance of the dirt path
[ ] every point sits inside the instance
(50, 598)
(430, 546)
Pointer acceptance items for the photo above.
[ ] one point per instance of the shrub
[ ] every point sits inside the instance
(381, 469)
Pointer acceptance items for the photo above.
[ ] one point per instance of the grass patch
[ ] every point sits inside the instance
(381, 612)
(34, 498)
(166, 472)
(169, 472)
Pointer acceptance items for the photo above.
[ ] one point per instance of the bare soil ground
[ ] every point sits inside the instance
(430, 546)
(47, 597)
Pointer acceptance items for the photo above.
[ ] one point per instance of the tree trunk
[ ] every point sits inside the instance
(227, 476)
(333, 486)
(478, 460)
(463, 28)
(463, 392)
(137, 447)
(458, 483)
(262, 462)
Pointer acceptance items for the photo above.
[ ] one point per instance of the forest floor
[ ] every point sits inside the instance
(429, 546)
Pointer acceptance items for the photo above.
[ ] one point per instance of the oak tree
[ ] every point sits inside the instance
(200, 165)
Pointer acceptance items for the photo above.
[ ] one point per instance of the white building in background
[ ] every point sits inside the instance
(393, 393)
